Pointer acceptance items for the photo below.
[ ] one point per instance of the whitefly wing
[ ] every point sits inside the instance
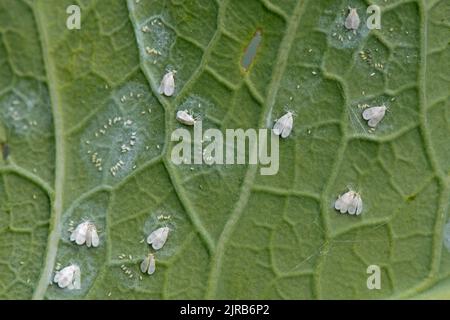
(278, 128)
(359, 205)
(184, 117)
(152, 264)
(92, 236)
(148, 265)
(158, 238)
(167, 86)
(79, 234)
(352, 205)
(283, 126)
(95, 238)
(56, 277)
(65, 277)
(374, 115)
(77, 278)
(74, 234)
(288, 122)
(352, 21)
(343, 202)
(145, 263)
(339, 204)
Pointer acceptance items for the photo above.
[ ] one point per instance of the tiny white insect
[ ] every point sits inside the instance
(352, 22)
(85, 232)
(283, 126)
(374, 115)
(69, 277)
(167, 86)
(185, 117)
(158, 238)
(148, 264)
(350, 202)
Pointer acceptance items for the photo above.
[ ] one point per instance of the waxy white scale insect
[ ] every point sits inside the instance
(352, 22)
(184, 117)
(167, 86)
(148, 264)
(374, 115)
(283, 126)
(158, 238)
(69, 277)
(350, 202)
(85, 232)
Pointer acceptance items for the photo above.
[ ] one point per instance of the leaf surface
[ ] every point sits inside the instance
(71, 102)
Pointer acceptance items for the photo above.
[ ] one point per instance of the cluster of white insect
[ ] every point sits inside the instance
(126, 270)
(374, 115)
(69, 277)
(115, 168)
(167, 86)
(352, 21)
(156, 239)
(125, 148)
(115, 123)
(350, 202)
(152, 51)
(14, 112)
(184, 117)
(366, 56)
(97, 161)
(85, 232)
(283, 126)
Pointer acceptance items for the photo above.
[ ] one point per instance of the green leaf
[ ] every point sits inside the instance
(71, 97)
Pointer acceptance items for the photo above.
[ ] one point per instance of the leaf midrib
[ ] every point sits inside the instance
(57, 198)
(219, 250)
(432, 278)
(278, 71)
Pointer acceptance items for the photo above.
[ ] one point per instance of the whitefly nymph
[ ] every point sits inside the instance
(167, 86)
(350, 202)
(148, 265)
(68, 277)
(158, 238)
(374, 115)
(85, 233)
(184, 117)
(283, 126)
(352, 21)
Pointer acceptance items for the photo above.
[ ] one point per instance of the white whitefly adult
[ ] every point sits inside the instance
(283, 126)
(352, 21)
(184, 117)
(148, 265)
(85, 232)
(68, 277)
(350, 202)
(158, 237)
(167, 86)
(92, 236)
(374, 115)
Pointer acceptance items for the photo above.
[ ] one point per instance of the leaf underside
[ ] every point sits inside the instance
(70, 99)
